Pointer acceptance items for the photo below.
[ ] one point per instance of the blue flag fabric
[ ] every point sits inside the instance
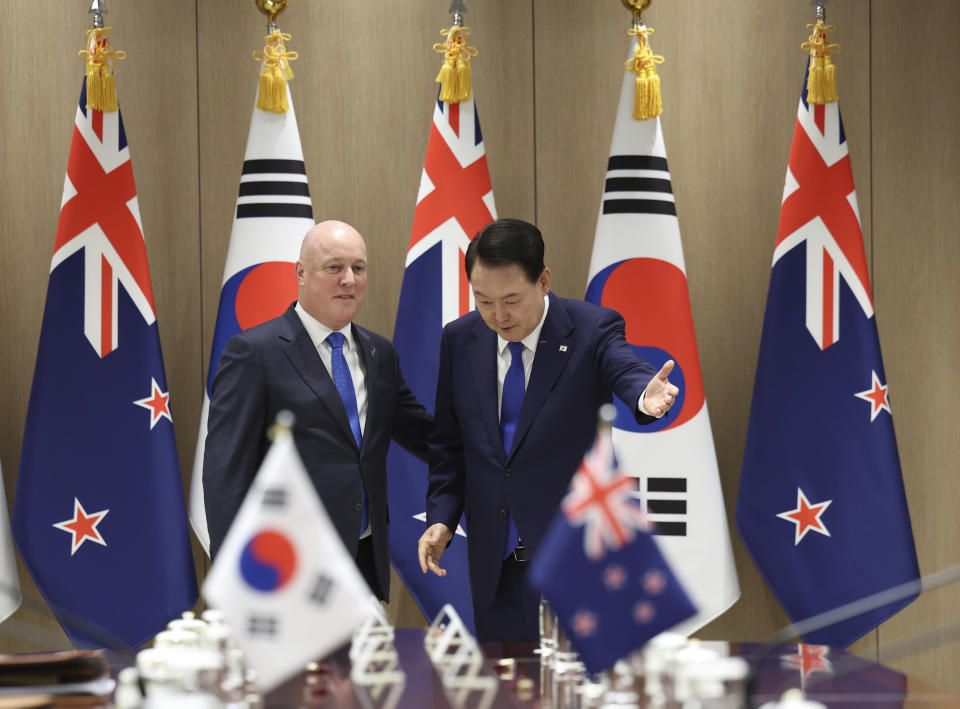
(821, 506)
(602, 573)
(99, 517)
(455, 201)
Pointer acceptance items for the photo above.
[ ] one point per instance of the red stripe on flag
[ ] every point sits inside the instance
(97, 121)
(828, 281)
(819, 117)
(464, 285)
(106, 307)
(453, 110)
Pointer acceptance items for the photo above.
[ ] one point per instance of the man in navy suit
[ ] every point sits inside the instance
(344, 387)
(520, 383)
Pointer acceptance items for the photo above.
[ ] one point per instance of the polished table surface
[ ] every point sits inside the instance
(832, 677)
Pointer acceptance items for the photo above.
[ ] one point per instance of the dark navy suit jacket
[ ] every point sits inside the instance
(275, 366)
(582, 358)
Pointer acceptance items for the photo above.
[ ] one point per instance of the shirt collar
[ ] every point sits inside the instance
(531, 340)
(317, 331)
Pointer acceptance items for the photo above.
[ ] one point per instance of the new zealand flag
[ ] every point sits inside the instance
(99, 516)
(822, 508)
(455, 201)
(600, 569)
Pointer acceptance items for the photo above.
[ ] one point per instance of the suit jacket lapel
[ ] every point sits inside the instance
(299, 349)
(483, 360)
(553, 351)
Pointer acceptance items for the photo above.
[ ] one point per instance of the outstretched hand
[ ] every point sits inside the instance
(430, 548)
(660, 393)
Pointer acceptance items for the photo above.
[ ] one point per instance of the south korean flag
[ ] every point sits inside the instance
(289, 589)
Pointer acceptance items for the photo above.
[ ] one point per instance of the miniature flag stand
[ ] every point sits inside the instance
(375, 666)
(459, 661)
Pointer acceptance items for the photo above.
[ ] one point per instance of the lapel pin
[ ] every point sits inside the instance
(563, 348)
(373, 351)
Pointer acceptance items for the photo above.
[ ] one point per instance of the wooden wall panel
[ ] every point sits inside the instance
(915, 156)
(546, 81)
(156, 86)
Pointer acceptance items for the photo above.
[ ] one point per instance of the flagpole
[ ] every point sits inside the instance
(272, 8)
(98, 9)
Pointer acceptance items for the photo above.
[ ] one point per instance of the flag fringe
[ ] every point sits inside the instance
(822, 77)
(276, 72)
(647, 102)
(101, 58)
(454, 77)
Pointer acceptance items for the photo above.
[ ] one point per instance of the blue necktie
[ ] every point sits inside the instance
(510, 405)
(344, 384)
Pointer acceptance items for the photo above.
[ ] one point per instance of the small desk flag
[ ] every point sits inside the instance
(601, 571)
(289, 589)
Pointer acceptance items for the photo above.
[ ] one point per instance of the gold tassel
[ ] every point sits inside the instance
(100, 58)
(455, 76)
(822, 76)
(276, 72)
(647, 101)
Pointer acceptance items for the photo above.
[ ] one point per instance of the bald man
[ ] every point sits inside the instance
(343, 385)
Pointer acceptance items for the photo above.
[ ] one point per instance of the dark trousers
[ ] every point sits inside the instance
(367, 568)
(514, 615)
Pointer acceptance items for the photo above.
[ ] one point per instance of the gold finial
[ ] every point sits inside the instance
(637, 6)
(283, 424)
(271, 8)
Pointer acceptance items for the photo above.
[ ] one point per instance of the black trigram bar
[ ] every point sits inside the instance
(271, 209)
(666, 484)
(262, 625)
(667, 507)
(251, 167)
(670, 529)
(635, 184)
(280, 188)
(636, 162)
(299, 189)
(274, 497)
(639, 206)
(321, 589)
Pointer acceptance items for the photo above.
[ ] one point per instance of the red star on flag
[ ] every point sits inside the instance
(644, 612)
(614, 577)
(83, 526)
(584, 623)
(806, 516)
(158, 403)
(653, 582)
(877, 395)
(807, 660)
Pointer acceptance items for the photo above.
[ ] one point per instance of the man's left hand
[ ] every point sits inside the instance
(660, 393)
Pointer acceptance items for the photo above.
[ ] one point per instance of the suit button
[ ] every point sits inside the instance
(508, 472)
(358, 507)
(503, 514)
